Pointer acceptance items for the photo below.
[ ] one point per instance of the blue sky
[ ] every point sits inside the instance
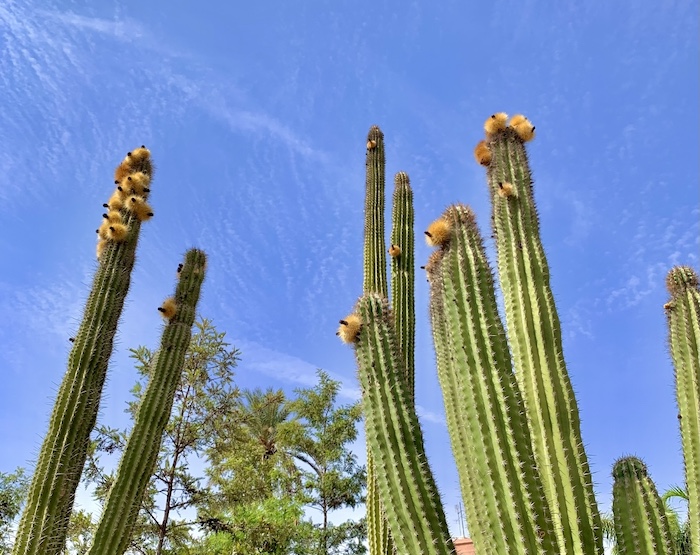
(257, 119)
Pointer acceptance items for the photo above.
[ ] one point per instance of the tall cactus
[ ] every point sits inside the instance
(683, 315)
(374, 281)
(408, 492)
(403, 275)
(535, 337)
(140, 456)
(640, 518)
(501, 486)
(524, 474)
(44, 522)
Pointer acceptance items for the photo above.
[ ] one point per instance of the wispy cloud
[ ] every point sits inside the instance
(658, 246)
(290, 369)
(125, 29)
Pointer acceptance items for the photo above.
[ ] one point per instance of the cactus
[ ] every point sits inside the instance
(44, 522)
(514, 425)
(140, 456)
(403, 275)
(374, 280)
(535, 337)
(501, 486)
(683, 315)
(408, 492)
(640, 518)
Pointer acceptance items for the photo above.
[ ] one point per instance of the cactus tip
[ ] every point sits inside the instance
(681, 278)
(629, 466)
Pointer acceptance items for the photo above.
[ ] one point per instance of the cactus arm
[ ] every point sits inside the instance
(403, 275)
(483, 401)
(452, 400)
(408, 491)
(683, 315)
(534, 330)
(140, 456)
(44, 522)
(374, 279)
(641, 527)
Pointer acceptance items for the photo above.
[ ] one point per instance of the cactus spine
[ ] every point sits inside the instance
(535, 337)
(683, 315)
(44, 522)
(408, 492)
(640, 518)
(501, 486)
(139, 459)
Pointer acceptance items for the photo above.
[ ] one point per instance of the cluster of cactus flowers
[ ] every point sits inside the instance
(510, 408)
(132, 178)
(44, 522)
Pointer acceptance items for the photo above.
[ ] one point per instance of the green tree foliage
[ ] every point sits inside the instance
(273, 458)
(205, 395)
(81, 530)
(13, 490)
(256, 502)
(331, 477)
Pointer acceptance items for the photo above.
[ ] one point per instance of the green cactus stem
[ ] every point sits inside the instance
(407, 489)
(683, 315)
(375, 281)
(403, 275)
(503, 494)
(535, 337)
(139, 460)
(44, 522)
(641, 527)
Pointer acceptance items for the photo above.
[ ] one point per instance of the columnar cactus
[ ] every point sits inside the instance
(403, 274)
(374, 281)
(140, 456)
(535, 338)
(501, 486)
(514, 425)
(408, 492)
(44, 522)
(640, 518)
(683, 314)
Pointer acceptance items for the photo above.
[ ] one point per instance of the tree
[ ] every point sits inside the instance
(272, 458)
(13, 490)
(81, 530)
(331, 476)
(256, 503)
(204, 397)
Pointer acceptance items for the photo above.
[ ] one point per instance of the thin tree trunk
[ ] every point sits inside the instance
(163, 528)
